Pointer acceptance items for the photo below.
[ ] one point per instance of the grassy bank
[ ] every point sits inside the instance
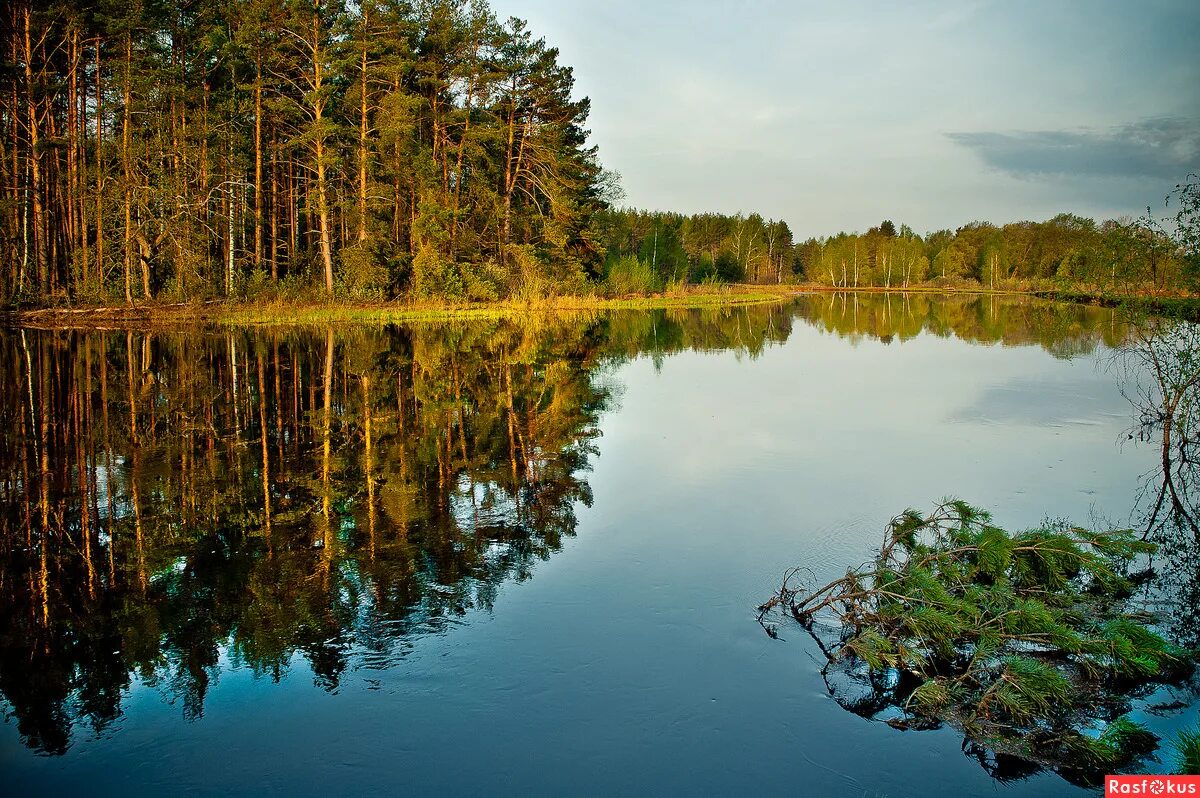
(1186, 308)
(314, 310)
(284, 312)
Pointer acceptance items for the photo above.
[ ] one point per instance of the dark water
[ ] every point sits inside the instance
(507, 556)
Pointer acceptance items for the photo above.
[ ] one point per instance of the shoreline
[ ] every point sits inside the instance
(283, 312)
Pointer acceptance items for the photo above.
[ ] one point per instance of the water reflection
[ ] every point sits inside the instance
(1159, 365)
(176, 502)
(1064, 330)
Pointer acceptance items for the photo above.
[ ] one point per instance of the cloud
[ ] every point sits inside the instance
(1163, 148)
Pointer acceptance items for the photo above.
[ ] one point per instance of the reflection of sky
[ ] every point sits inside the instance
(1025, 402)
(840, 433)
(834, 116)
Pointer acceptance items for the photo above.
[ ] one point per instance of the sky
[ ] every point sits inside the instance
(836, 115)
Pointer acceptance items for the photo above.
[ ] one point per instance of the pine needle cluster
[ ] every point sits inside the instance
(1025, 641)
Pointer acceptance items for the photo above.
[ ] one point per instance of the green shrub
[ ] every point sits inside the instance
(433, 275)
(630, 275)
(728, 269)
(363, 271)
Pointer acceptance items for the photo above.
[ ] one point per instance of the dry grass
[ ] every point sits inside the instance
(282, 312)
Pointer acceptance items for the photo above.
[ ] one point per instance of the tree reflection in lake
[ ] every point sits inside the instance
(170, 495)
(1064, 330)
(173, 503)
(1160, 368)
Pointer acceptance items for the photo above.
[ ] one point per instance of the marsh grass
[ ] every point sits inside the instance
(283, 311)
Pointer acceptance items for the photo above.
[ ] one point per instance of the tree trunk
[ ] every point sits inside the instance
(35, 166)
(362, 140)
(274, 211)
(319, 145)
(127, 170)
(99, 173)
(79, 95)
(258, 164)
(72, 226)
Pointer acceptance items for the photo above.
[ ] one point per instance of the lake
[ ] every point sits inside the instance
(511, 556)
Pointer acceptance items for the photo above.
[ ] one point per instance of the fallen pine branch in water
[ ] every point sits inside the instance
(1025, 642)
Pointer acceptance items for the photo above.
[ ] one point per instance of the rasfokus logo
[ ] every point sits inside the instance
(1151, 785)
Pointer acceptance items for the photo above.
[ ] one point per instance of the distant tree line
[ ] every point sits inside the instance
(182, 148)
(666, 248)
(1115, 255)
(647, 249)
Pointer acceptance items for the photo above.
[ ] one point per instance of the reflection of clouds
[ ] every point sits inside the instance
(1041, 403)
(958, 14)
(1166, 147)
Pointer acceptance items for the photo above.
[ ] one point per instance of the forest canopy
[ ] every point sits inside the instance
(186, 149)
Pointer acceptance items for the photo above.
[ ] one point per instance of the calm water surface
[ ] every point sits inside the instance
(508, 556)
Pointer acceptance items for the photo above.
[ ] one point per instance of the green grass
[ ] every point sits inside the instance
(284, 312)
(387, 312)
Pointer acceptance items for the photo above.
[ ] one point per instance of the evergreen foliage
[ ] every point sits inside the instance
(1021, 640)
(1187, 752)
(182, 150)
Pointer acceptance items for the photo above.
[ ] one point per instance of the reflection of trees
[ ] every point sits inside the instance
(881, 696)
(168, 499)
(171, 501)
(1160, 367)
(1162, 378)
(657, 333)
(1064, 330)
